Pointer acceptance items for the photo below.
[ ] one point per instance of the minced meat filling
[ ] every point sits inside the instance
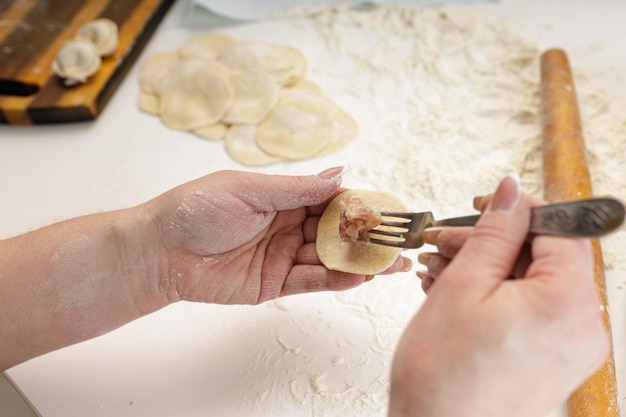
(356, 219)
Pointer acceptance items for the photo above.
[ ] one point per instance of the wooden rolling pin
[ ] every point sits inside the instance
(566, 177)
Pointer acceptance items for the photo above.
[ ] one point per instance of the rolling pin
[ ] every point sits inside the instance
(566, 177)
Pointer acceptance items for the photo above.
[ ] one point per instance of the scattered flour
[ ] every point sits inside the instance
(448, 100)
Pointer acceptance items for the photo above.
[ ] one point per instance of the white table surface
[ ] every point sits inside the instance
(205, 360)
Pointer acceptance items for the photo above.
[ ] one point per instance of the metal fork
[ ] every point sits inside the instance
(593, 217)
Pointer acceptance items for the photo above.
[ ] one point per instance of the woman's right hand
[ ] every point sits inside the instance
(486, 345)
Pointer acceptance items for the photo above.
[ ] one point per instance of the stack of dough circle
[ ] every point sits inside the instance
(360, 257)
(252, 95)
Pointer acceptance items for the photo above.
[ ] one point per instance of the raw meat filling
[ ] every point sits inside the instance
(356, 219)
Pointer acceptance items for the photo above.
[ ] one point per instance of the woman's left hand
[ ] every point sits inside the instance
(242, 238)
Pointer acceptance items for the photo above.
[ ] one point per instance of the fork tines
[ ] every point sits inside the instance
(403, 219)
(391, 231)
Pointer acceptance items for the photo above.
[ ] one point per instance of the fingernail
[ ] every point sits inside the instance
(477, 202)
(422, 274)
(427, 282)
(424, 258)
(507, 194)
(369, 277)
(407, 264)
(334, 173)
(430, 236)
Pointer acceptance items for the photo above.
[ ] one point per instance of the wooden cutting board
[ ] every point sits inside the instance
(31, 33)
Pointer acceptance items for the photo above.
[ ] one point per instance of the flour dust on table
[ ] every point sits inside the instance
(447, 102)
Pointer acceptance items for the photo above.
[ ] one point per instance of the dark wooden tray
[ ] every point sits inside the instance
(31, 33)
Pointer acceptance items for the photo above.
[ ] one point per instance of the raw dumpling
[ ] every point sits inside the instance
(360, 257)
(103, 33)
(77, 60)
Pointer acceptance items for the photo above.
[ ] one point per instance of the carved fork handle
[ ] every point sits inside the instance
(591, 217)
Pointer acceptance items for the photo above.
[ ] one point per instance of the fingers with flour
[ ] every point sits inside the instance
(286, 192)
(308, 277)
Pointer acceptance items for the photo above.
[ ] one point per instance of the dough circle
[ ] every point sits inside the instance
(206, 45)
(285, 64)
(155, 69)
(240, 143)
(149, 102)
(345, 129)
(254, 95)
(200, 99)
(295, 130)
(215, 131)
(361, 258)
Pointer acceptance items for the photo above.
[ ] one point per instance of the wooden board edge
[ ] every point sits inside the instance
(40, 116)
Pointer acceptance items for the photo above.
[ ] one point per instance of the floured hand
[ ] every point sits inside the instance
(238, 238)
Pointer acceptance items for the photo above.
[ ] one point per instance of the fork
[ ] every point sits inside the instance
(593, 217)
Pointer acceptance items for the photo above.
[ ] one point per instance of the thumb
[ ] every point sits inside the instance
(286, 192)
(490, 253)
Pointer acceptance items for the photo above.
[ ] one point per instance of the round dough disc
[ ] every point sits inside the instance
(180, 73)
(206, 45)
(292, 95)
(155, 68)
(296, 130)
(240, 143)
(360, 258)
(149, 102)
(255, 94)
(345, 128)
(306, 85)
(212, 132)
(285, 64)
(199, 98)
